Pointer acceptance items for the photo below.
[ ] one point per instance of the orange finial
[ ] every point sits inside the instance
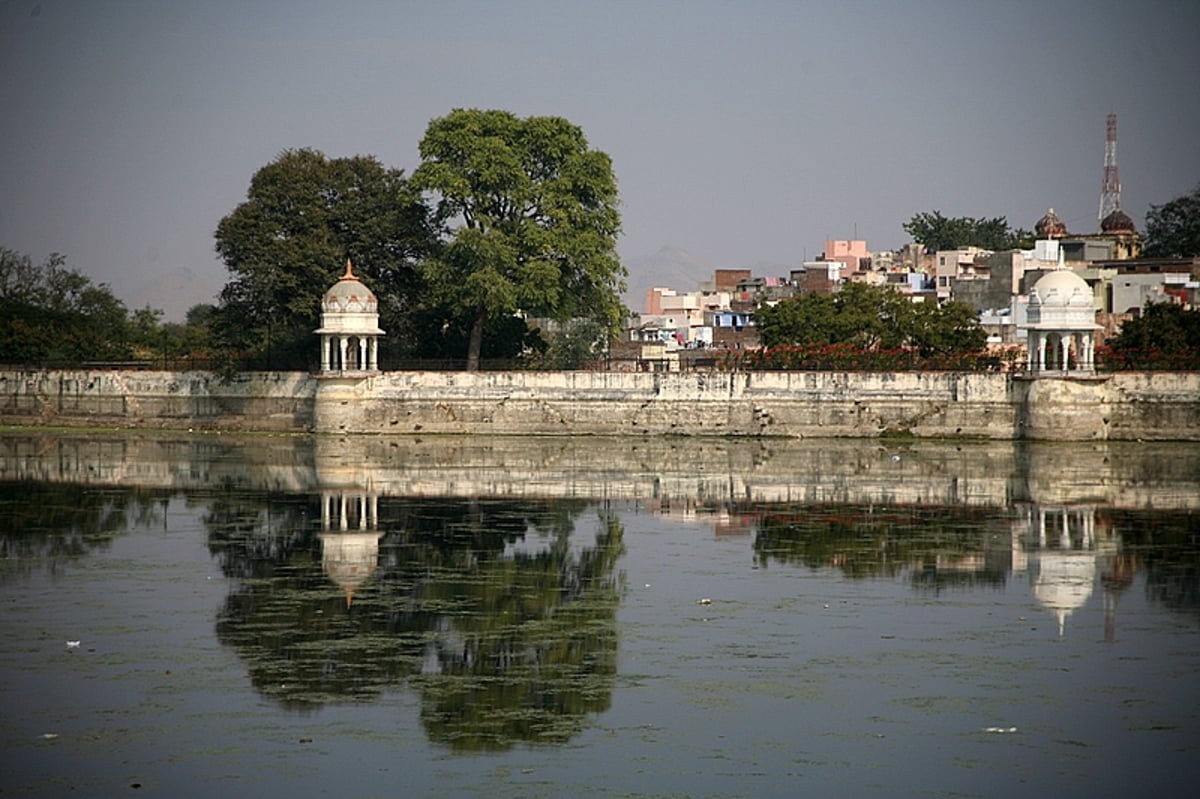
(349, 271)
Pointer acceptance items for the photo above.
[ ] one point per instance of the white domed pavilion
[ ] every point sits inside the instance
(1061, 331)
(349, 328)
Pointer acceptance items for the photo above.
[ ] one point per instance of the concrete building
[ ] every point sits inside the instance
(1117, 239)
(953, 265)
(728, 279)
(851, 253)
(821, 277)
(1133, 283)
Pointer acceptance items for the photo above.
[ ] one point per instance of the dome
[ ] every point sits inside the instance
(349, 308)
(1062, 287)
(1117, 222)
(349, 295)
(1064, 583)
(1050, 226)
(349, 559)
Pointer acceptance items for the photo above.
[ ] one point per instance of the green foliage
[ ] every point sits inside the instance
(303, 217)
(1173, 229)
(51, 313)
(1164, 337)
(947, 329)
(937, 232)
(532, 221)
(145, 329)
(447, 334)
(869, 318)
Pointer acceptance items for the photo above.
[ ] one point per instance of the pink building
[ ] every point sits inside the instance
(851, 252)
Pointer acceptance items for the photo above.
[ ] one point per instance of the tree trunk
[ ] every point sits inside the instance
(476, 342)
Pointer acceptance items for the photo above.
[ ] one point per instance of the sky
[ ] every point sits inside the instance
(741, 133)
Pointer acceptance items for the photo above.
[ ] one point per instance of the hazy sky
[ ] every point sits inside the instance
(739, 132)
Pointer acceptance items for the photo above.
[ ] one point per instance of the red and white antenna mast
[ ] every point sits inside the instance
(1110, 192)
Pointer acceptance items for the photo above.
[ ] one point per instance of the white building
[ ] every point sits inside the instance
(1061, 324)
(349, 328)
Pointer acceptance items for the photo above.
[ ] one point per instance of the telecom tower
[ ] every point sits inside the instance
(1110, 192)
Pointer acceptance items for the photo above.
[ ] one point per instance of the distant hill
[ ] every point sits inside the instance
(678, 269)
(670, 267)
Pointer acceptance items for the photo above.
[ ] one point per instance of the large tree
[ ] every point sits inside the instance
(303, 217)
(870, 317)
(936, 232)
(1173, 229)
(531, 221)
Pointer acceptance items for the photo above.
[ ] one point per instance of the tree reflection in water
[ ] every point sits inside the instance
(1167, 548)
(47, 525)
(505, 628)
(942, 547)
(938, 547)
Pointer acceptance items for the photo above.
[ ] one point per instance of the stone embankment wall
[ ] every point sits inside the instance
(263, 401)
(1145, 406)
(695, 403)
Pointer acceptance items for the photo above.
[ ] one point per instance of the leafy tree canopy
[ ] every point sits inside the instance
(49, 312)
(531, 220)
(870, 317)
(303, 217)
(1164, 335)
(1173, 229)
(936, 232)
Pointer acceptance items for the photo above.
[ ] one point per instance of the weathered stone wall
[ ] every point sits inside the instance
(267, 401)
(796, 404)
(1150, 406)
(1133, 406)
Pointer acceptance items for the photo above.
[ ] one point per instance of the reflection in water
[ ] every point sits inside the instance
(501, 621)
(349, 539)
(530, 649)
(1061, 549)
(1063, 553)
(47, 525)
(447, 568)
(937, 547)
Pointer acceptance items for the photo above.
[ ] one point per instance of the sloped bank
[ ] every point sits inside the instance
(1123, 406)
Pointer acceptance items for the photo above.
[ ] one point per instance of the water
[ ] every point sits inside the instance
(467, 617)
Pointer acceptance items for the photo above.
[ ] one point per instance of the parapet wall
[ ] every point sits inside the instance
(1147, 406)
